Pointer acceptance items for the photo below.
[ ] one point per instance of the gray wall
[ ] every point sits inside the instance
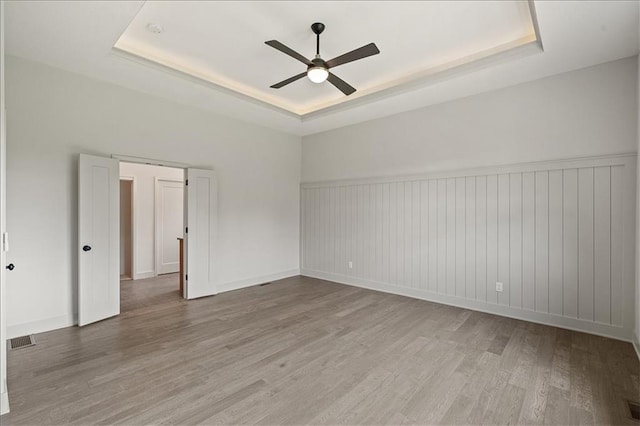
(558, 235)
(581, 113)
(450, 222)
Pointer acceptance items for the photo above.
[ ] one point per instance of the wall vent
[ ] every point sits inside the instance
(21, 342)
(634, 410)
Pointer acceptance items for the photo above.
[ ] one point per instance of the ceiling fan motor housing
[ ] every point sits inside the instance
(317, 63)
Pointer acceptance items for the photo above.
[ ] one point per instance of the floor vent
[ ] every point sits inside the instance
(634, 409)
(21, 342)
(263, 284)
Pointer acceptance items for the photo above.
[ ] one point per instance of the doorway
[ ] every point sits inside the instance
(99, 285)
(151, 227)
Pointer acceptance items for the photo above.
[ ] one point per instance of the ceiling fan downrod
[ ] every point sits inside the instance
(317, 28)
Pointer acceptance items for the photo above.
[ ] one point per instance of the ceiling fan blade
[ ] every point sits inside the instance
(289, 80)
(363, 52)
(284, 49)
(342, 85)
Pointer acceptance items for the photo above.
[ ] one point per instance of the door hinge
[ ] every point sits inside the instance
(186, 277)
(186, 182)
(186, 230)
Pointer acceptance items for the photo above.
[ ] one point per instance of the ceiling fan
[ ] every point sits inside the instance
(317, 68)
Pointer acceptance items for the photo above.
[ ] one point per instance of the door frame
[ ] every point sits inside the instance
(156, 216)
(149, 161)
(186, 170)
(4, 395)
(134, 243)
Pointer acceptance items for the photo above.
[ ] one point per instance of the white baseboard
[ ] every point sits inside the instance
(574, 324)
(4, 398)
(143, 275)
(4, 403)
(236, 285)
(41, 326)
(636, 342)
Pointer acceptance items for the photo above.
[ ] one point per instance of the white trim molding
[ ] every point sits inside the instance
(149, 161)
(41, 326)
(4, 399)
(143, 275)
(534, 166)
(249, 282)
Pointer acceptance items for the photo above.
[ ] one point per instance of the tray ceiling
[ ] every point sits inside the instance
(79, 36)
(222, 43)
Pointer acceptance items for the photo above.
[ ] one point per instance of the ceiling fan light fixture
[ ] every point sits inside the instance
(317, 74)
(317, 68)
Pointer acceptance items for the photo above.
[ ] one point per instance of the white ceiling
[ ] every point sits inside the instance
(223, 42)
(461, 48)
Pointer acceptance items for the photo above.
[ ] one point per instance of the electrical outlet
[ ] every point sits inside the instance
(499, 286)
(350, 265)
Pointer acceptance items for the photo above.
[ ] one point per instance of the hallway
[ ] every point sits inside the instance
(149, 292)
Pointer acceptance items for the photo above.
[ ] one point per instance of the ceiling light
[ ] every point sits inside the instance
(317, 74)
(154, 28)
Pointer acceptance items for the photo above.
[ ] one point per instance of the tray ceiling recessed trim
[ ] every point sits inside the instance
(528, 44)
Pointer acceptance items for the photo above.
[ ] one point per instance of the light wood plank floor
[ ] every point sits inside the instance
(306, 351)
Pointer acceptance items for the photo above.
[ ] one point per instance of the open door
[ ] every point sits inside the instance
(200, 233)
(98, 239)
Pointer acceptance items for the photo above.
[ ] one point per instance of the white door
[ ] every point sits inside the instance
(200, 234)
(169, 224)
(98, 239)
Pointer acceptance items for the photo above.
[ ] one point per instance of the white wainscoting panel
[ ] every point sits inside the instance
(559, 236)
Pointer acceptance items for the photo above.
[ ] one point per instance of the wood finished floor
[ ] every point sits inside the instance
(306, 351)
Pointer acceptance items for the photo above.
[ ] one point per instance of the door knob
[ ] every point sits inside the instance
(10, 267)
(86, 248)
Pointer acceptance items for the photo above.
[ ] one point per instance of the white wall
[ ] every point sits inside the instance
(4, 400)
(144, 176)
(581, 113)
(585, 113)
(54, 115)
